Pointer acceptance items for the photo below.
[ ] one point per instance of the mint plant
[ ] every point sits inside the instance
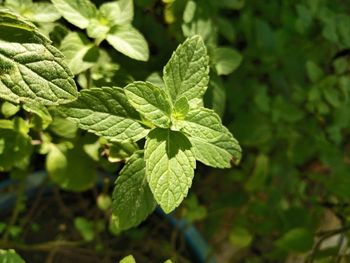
(111, 22)
(177, 128)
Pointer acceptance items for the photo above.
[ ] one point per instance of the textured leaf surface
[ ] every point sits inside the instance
(169, 167)
(118, 12)
(30, 68)
(132, 198)
(212, 143)
(129, 41)
(106, 112)
(186, 73)
(77, 12)
(151, 101)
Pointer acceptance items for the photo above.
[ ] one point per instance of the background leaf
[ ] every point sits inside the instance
(70, 167)
(79, 52)
(129, 41)
(226, 60)
(77, 12)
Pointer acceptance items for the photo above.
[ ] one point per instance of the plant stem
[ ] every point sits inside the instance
(47, 246)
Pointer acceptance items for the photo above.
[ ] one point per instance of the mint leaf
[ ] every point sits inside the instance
(18, 4)
(77, 12)
(40, 111)
(79, 52)
(152, 102)
(118, 13)
(70, 167)
(132, 199)
(217, 153)
(42, 13)
(186, 73)
(226, 60)
(169, 167)
(8, 109)
(105, 112)
(128, 259)
(181, 108)
(85, 228)
(10, 256)
(15, 144)
(121, 151)
(129, 41)
(31, 69)
(97, 29)
(212, 143)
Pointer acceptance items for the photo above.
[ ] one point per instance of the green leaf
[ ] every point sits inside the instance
(31, 70)
(226, 60)
(128, 259)
(36, 12)
(186, 73)
(314, 72)
(150, 101)
(106, 112)
(15, 144)
(118, 12)
(85, 228)
(169, 167)
(240, 237)
(10, 256)
(121, 151)
(63, 127)
(189, 12)
(132, 199)
(42, 13)
(212, 143)
(18, 4)
(40, 111)
(181, 108)
(156, 79)
(77, 12)
(79, 52)
(70, 167)
(259, 174)
(217, 95)
(8, 109)
(97, 29)
(129, 41)
(296, 240)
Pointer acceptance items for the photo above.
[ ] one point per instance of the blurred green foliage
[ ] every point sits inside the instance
(280, 79)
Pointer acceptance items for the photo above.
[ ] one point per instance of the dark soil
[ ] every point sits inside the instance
(50, 218)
